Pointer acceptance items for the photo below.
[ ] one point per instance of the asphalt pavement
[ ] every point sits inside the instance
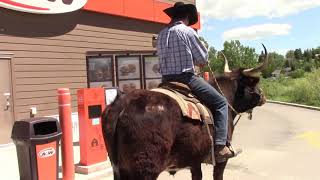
(280, 143)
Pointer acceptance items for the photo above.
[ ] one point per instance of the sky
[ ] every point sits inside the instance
(281, 25)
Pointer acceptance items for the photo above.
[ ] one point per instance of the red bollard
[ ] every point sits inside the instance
(206, 76)
(64, 99)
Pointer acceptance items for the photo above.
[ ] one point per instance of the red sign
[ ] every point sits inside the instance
(149, 10)
(47, 161)
(43, 6)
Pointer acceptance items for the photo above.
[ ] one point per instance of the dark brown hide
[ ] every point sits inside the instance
(152, 136)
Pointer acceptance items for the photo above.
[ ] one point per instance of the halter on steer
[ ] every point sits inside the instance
(249, 72)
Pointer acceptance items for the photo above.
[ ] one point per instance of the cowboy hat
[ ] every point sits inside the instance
(180, 8)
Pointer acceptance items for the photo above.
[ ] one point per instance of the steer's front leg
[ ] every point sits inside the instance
(219, 170)
(196, 171)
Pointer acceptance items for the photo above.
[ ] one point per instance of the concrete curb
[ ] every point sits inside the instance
(295, 105)
(6, 145)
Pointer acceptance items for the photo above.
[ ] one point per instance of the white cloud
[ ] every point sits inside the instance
(235, 9)
(256, 32)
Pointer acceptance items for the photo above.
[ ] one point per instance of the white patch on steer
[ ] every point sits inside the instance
(157, 108)
(111, 95)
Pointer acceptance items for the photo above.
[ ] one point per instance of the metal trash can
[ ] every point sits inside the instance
(37, 144)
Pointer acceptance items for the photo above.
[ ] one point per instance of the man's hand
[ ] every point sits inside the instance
(202, 65)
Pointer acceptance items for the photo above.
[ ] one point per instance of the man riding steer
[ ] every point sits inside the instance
(179, 50)
(167, 129)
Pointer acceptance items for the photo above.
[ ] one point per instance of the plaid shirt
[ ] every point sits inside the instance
(179, 49)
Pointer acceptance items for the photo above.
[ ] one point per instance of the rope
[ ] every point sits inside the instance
(219, 88)
(237, 121)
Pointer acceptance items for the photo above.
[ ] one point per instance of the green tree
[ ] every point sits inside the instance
(298, 54)
(290, 58)
(212, 52)
(307, 54)
(216, 62)
(316, 57)
(290, 54)
(206, 44)
(240, 56)
(276, 61)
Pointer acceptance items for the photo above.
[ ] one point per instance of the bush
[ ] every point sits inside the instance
(299, 73)
(308, 66)
(301, 90)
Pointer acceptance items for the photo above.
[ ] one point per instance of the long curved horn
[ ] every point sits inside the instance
(226, 64)
(257, 70)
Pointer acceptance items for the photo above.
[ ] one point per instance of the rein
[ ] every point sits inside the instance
(207, 126)
(231, 107)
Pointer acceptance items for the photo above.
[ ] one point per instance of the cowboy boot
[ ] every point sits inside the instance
(223, 152)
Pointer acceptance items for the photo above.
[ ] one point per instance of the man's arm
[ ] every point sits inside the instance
(198, 50)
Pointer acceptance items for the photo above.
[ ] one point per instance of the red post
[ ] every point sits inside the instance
(64, 99)
(206, 76)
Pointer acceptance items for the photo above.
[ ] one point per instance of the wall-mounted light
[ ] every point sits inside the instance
(154, 40)
(33, 112)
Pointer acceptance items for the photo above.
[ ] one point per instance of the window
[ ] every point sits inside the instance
(152, 76)
(129, 75)
(126, 70)
(100, 71)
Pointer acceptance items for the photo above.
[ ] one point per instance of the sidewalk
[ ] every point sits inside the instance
(9, 169)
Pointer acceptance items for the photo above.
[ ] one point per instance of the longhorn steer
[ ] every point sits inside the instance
(146, 133)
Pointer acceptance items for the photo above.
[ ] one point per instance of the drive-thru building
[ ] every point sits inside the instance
(104, 43)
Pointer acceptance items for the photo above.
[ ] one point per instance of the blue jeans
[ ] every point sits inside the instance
(211, 98)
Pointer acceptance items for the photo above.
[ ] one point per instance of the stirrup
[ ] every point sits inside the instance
(234, 151)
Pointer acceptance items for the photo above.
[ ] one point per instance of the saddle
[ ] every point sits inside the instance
(190, 106)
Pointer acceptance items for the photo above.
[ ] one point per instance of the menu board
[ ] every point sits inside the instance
(128, 67)
(152, 76)
(151, 65)
(129, 85)
(100, 71)
(128, 73)
(106, 84)
(152, 83)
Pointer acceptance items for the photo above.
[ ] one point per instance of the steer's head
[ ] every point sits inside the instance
(247, 92)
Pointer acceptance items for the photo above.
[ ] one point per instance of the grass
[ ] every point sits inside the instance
(304, 90)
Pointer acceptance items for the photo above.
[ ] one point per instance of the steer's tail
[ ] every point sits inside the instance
(110, 119)
(145, 134)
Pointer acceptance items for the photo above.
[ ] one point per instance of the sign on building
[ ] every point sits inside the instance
(43, 6)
